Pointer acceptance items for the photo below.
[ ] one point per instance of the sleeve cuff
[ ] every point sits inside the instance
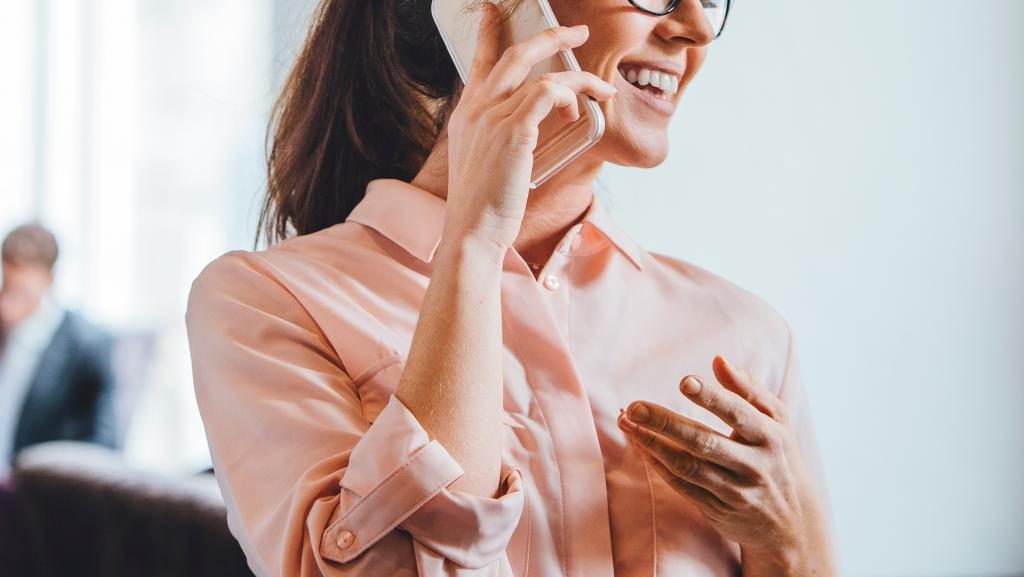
(396, 477)
(477, 530)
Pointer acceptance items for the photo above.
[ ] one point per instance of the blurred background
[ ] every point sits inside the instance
(858, 166)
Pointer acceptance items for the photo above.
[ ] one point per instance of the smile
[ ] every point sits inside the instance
(662, 85)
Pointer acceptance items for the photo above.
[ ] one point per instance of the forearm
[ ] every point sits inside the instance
(452, 381)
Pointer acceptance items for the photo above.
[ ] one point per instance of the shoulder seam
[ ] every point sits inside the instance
(321, 336)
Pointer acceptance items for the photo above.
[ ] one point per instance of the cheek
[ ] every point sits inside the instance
(616, 29)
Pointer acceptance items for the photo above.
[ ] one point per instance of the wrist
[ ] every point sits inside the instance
(778, 563)
(789, 561)
(471, 246)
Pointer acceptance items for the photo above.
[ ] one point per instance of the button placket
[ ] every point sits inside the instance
(571, 242)
(555, 381)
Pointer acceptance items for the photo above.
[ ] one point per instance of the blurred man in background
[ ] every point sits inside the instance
(55, 368)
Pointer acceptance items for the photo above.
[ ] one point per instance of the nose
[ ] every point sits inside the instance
(687, 24)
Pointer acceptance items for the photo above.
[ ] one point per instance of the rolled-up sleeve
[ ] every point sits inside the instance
(311, 486)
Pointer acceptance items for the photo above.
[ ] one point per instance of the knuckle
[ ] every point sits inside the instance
(706, 443)
(659, 423)
(471, 114)
(514, 52)
(554, 34)
(735, 414)
(688, 467)
(708, 399)
(547, 87)
(744, 499)
(756, 473)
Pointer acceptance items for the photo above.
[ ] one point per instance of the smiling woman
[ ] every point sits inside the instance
(426, 375)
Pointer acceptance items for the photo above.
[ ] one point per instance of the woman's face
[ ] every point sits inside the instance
(624, 39)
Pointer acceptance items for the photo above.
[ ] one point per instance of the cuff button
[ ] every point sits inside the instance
(346, 539)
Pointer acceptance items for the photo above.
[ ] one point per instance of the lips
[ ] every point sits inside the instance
(644, 97)
(660, 83)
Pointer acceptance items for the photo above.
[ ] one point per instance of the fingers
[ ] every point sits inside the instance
(691, 436)
(734, 410)
(693, 491)
(488, 44)
(684, 466)
(545, 97)
(747, 387)
(515, 64)
(541, 99)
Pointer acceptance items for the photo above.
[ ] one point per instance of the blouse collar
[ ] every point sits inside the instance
(413, 218)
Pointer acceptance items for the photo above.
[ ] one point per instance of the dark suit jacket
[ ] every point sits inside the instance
(72, 393)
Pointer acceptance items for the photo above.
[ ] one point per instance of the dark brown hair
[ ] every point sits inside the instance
(30, 244)
(367, 98)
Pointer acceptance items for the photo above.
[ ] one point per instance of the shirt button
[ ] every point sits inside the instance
(346, 539)
(551, 282)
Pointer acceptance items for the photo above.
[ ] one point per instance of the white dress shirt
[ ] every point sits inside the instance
(19, 360)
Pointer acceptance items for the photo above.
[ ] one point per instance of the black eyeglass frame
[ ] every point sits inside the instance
(673, 4)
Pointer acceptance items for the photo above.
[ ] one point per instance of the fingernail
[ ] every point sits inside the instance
(691, 386)
(639, 413)
(625, 423)
(728, 365)
(581, 28)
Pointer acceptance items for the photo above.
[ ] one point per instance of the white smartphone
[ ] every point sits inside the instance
(560, 141)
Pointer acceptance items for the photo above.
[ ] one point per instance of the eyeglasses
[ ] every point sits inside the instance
(717, 11)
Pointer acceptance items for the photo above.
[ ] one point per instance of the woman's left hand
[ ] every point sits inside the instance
(751, 486)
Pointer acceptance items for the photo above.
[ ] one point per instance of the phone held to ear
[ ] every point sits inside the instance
(560, 141)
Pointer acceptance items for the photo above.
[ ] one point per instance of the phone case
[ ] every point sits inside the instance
(560, 141)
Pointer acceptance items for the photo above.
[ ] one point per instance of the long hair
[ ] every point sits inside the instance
(369, 94)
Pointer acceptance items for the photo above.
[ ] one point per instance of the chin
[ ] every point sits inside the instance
(623, 148)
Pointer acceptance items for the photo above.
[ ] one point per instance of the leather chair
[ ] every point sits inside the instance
(84, 512)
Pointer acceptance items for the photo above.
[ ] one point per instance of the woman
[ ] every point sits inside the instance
(425, 377)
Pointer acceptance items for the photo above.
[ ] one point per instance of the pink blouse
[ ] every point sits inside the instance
(298, 348)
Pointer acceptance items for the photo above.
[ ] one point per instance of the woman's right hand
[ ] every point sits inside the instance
(494, 128)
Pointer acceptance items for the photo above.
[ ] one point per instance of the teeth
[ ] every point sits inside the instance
(667, 83)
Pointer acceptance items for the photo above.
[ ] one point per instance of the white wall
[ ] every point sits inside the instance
(860, 166)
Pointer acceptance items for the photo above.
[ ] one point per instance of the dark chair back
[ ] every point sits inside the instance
(84, 512)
